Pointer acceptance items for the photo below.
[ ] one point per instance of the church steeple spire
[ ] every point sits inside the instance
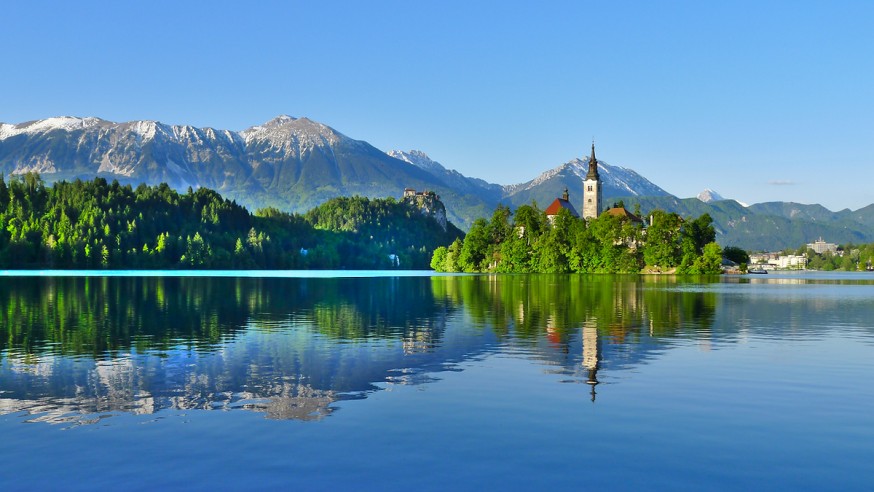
(592, 189)
(593, 165)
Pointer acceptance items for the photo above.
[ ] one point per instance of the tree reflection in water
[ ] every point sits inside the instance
(76, 348)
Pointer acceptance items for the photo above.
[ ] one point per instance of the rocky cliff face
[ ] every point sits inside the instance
(429, 204)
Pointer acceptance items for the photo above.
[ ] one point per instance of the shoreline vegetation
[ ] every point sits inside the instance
(527, 241)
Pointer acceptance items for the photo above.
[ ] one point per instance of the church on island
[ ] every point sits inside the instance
(592, 198)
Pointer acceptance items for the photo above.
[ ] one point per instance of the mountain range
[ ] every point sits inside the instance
(296, 164)
(771, 226)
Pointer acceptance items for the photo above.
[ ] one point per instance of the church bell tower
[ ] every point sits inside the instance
(592, 189)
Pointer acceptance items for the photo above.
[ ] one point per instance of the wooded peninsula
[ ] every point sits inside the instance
(100, 225)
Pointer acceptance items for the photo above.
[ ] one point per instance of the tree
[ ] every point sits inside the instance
(663, 246)
(475, 247)
(197, 254)
(710, 262)
(847, 263)
(548, 256)
(697, 233)
(736, 254)
(452, 254)
(104, 256)
(515, 255)
(438, 260)
(499, 227)
(609, 243)
(552, 251)
(530, 221)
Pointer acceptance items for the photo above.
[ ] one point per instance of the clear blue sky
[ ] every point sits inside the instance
(760, 101)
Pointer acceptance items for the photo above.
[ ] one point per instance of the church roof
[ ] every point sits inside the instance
(560, 203)
(593, 165)
(623, 212)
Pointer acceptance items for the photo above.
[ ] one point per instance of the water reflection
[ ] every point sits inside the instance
(287, 347)
(78, 349)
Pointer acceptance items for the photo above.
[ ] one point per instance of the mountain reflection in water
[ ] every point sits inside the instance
(77, 349)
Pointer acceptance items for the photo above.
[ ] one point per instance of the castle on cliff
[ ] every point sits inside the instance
(428, 202)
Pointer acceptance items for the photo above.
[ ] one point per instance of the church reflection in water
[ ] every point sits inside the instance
(591, 355)
(79, 349)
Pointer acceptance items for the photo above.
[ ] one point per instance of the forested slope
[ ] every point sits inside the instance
(96, 224)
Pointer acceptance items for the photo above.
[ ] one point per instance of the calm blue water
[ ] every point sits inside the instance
(358, 380)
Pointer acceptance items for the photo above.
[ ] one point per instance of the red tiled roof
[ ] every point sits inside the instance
(559, 204)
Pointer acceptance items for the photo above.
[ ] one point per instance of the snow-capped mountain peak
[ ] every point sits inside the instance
(287, 131)
(418, 159)
(708, 196)
(65, 123)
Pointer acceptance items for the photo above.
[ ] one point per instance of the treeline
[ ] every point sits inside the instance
(526, 241)
(96, 224)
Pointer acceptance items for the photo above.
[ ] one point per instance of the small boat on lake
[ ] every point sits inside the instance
(757, 271)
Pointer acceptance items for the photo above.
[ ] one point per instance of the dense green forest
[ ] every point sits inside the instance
(96, 224)
(526, 241)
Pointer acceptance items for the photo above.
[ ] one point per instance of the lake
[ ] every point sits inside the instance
(369, 380)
